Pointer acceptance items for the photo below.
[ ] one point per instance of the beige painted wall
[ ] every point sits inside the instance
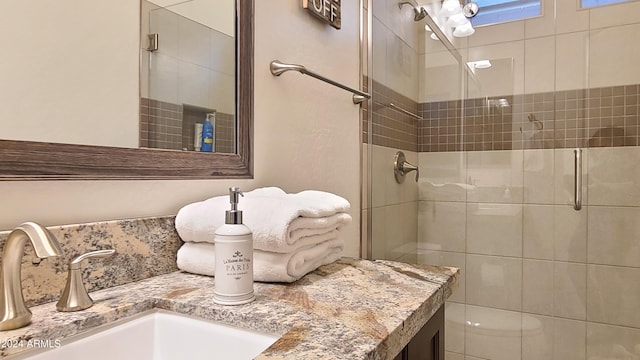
(306, 132)
(69, 69)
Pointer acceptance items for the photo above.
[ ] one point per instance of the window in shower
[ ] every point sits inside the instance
(594, 3)
(499, 11)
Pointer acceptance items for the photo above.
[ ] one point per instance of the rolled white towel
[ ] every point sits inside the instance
(199, 258)
(280, 222)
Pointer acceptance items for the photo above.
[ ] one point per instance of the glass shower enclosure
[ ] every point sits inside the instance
(529, 179)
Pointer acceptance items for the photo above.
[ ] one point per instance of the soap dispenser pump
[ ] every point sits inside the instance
(233, 257)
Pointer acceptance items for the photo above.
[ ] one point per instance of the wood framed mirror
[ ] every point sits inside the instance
(34, 160)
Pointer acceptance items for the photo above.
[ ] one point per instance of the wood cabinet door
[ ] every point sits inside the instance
(428, 344)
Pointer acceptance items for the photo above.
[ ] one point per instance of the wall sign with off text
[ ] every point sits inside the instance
(326, 10)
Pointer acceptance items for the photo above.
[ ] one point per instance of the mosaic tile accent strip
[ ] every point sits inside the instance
(144, 248)
(601, 117)
(170, 126)
(390, 127)
(365, 112)
(160, 125)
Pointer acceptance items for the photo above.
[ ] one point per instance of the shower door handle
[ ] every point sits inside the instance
(577, 179)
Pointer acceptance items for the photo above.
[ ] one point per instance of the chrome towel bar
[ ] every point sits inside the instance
(277, 68)
(406, 112)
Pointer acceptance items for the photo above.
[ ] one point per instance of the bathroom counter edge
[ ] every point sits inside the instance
(350, 309)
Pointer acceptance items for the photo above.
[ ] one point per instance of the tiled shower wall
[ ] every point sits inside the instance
(598, 117)
(540, 280)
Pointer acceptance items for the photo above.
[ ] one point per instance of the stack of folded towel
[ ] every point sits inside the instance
(293, 234)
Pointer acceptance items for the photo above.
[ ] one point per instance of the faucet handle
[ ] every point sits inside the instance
(75, 296)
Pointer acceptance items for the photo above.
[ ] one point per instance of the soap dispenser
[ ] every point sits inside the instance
(233, 257)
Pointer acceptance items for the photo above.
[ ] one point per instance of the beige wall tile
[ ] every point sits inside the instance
(569, 290)
(499, 33)
(537, 232)
(613, 294)
(570, 233)
(221, 51)
(494, 229)
(569, 336)
(493, 334)
(365, 173)
(538, 176)
(537, 287)
(614, 174)
(496, 175)
(612, 342)
(194, 84)
(442, 225)
(191, 37)
(552, 338)
(394, 231)
(494, 281)
(166, 78)
(385, 189)
(544, 25)
(454, 327)
(508, 56)
(446, 258)
(378, 232)
(402, 62)
(453, 356)
(611, 60)
(569, 18)
(572, 60)
(221, 87)
(614, 15)
(443, 176)
(613, 236)
(364, 233)
(402, 23)
(564, 175)
(537, 337)
(540, 62)
(379, 50)
(440, 74)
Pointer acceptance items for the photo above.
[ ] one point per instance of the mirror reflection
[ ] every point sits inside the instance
(61, 79)
(188, 75)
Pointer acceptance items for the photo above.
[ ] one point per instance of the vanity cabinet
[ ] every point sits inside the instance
(428, 344)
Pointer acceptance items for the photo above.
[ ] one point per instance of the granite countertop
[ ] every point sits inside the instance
(351, 309)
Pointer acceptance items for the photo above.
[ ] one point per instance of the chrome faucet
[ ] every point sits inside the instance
(14, 313)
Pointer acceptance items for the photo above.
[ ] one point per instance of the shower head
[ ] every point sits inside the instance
(419, 12)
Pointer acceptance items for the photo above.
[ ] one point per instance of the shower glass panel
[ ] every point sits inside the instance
(543, 277)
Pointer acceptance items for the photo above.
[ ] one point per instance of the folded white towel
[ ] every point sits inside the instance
(199, 258)
(280, 222)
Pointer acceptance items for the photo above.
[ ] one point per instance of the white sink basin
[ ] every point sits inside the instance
(161, 335)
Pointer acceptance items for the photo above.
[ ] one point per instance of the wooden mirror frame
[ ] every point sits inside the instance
(31, 160)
